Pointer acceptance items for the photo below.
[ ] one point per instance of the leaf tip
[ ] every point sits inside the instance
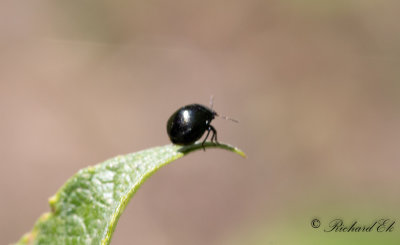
(199, 145)
(240, 152)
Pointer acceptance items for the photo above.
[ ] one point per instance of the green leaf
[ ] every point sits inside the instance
(87, 208)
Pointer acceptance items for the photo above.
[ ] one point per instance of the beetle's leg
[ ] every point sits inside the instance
(214, 136)
(204, 141)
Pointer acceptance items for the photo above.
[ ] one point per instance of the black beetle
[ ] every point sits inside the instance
(190, 122)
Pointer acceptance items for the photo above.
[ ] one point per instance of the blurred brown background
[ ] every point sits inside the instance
(314, 84)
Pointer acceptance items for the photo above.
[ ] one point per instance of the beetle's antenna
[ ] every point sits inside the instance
(216, 114)
(227, 118)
